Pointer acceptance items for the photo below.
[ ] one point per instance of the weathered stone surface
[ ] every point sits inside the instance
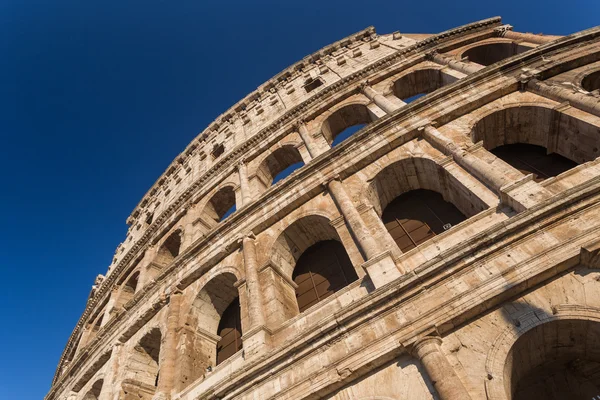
(502, 304)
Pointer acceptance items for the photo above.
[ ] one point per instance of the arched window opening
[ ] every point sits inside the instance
(558, 360)
(278, 165)
(169, 250)
(215, 311)
(129, 285)
(531, 126)
(346, 133)
(230, 331)
(94, 392)
(353, 115)
(419, 83)
(591, 82)
(144, 361)
(416, 216)
(530, 159)
(221, 206)
(488, 54)
(322, 270)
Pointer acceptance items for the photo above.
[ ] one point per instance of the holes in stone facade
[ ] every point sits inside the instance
(217, 150)
(312, 83)
(417, 216)
(278, 165)
(591, 82)
(322, 270)
(557, 360)
(490, 53)
(530, 159)
(344, 118)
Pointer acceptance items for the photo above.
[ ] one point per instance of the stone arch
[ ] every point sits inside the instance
(344, 117)
(490, 52)
(566, 340)
(275, 162)
(143, 365)
(201, 336)
(218, 206)
(411, 173)
(310, 252)
(420, 81)
(573, 139)
(169, 249)
(591, 81)
(128, 285)
(95, 390)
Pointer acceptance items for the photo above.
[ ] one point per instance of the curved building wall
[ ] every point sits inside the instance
(405, 261)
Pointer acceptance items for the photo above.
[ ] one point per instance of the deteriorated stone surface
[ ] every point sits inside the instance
(504, 305)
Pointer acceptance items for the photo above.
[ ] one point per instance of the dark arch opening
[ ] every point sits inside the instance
(278, 165)
(94, 392)
(420, 82)
(221, 205)
(591, 82)
(558, 360)
(345, 122)
(146, 358)
(531, 159)
(230, 331)
(488, 54)
(416, 216)
(323, 269)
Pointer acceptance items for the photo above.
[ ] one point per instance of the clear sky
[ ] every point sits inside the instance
(97, 98)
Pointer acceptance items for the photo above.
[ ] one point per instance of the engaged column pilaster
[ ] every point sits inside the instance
(443, 377)
(380, 266)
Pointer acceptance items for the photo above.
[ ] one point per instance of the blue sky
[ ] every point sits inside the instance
(97, 98)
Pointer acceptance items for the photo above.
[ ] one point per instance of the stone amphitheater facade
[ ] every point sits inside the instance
(448, 249)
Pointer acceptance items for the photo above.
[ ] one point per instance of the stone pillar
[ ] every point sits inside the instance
(112, 307)
(110, 386)
(309, 142)
(461, 66)
(244, 185)
(257, 338)
(380, 100)
(586, 102)
(380, 266)
(168, 365)
(445, 381)
(517, 191)
(529, 37)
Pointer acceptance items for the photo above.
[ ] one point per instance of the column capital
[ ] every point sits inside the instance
(501, 30)
(426, 345)
(330, 179)
(431, 54)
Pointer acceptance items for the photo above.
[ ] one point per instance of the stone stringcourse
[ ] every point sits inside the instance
(433, 321)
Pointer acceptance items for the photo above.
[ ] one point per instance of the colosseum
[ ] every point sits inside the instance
(396, 216)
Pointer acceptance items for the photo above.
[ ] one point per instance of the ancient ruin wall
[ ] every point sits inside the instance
(442, 115)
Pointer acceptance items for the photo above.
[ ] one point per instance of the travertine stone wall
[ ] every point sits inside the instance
(455, 317)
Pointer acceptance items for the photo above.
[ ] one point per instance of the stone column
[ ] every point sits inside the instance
(529, 37)
(168, 366)
(517, 191)
(244, 185)
(380, 266)
(309, 142)
(461, 66)
(380, 100)
(445, 381)
(110, 387)
(257, 337)
(586, 102)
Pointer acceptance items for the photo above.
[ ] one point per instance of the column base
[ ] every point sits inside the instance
(382, 269)
(256, 342)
